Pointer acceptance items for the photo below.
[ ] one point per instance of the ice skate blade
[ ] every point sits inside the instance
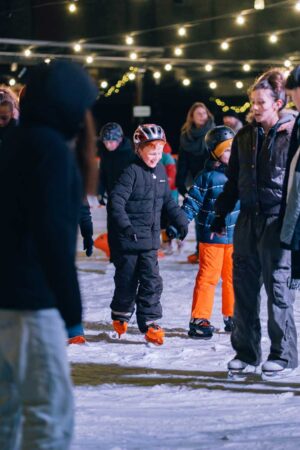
(240, 375)
(277, 375)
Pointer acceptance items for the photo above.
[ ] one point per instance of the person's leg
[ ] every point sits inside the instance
(210, 266)
(276, 264)
(126, 282)
(45, 383)
(227, 283)
(150, 289)
(246, 334)
(10, 402)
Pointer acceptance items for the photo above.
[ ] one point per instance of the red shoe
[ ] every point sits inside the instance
(120, 327)
(155, 334)
(193, 259)
(77, 340)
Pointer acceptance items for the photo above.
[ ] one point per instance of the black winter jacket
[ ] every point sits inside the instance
(137, 200)
(40, 190)
(256, 169)
(112, 164)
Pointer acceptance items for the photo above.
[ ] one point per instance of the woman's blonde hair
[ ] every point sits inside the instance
(189, 118)
(273, 80)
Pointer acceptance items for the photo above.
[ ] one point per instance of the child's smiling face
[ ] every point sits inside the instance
(151, 152)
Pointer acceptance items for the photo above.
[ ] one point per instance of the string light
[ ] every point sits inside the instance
(89, 59)
(224, 45)
(178, 51)
(240, 20)
(273, 38)
(287, 63)
(131, 76)
(246, 67)
(47, 60)
(213, 85)
(259, 4)
(168, 67)
(27, 53)
(122, 82)
(104, 84)
(72, 8)
(186, 82)
(297, 6)
(237, 109)
(77, 47)
(239, 84)
(181, 31)
(129, 40)
(14, 67)
(12, 82)
(133, 56)
(208, 67)
(157, 75)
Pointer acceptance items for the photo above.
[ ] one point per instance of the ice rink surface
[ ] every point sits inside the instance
(133, 396)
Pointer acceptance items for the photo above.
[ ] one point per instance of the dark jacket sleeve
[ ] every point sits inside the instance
(193, 202)
(102, 185)
(85, 221)
(54, 204)
(182, 171)
(226, 201)
(119, 197)
(175, 214)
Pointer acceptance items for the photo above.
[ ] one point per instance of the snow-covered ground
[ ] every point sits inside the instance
(133, 396)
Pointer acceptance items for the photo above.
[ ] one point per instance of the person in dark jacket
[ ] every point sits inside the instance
(42, 192)
(215, 251)
(134, 213)
(193, 152)
(290, 232)
(255, 177)
(9, 112)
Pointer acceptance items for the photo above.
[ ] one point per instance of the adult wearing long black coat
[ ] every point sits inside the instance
(41, 193)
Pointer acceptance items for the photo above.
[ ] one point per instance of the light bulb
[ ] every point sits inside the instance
(12, 82)
(213, 85)
(104, 84)
(239, 84)
(240, 20)
(133, 55)
(157, 75)
(47, 60)
(14, 67)
(208, 67)
(246, 67)
(178, 51)
(129, 40)
(297, 6)
(186, 82)
(273, 38)
(168, 67)
(287, 63)
(224, 45)
(181, 31)
(259, 4)
(77, 47)
(27, 52)
(131, 76)
(72, 8)
(89, 59)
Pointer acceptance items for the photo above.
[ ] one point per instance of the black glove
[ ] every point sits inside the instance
(218, 225)
(182, 190)
(101, 200)
(171, 232)
(88, 244)
(182, 231)
(130, 234)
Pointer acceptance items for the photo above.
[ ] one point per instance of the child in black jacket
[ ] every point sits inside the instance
(134, 211)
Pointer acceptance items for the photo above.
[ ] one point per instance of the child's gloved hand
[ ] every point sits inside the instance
(182, 231)
(101, 200)
(171, 232)
(218, 226)
(88, 244)
(130, 233)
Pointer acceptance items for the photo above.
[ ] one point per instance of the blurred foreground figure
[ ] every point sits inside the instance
(41, 193)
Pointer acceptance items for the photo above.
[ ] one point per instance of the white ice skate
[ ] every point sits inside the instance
(239, 370)
(275, 370)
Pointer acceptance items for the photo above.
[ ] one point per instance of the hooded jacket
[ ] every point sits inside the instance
(256, 169)
(41, 193)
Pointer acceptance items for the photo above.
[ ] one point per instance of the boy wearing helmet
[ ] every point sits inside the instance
(215, 252)
(134, 210)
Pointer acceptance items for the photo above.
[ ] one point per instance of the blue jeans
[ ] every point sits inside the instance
(36, 399)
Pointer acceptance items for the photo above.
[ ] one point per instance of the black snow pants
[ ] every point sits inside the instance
(258, 259)
(137, 282)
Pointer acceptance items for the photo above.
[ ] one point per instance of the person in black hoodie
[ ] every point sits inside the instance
(255, 177)
(134, 210)
(42, 192)
(193, 153)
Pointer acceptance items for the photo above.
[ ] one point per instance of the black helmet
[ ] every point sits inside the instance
(217, 135)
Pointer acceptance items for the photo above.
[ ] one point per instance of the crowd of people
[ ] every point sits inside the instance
(240, 183)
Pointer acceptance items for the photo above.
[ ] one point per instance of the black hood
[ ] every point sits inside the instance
(57, 95)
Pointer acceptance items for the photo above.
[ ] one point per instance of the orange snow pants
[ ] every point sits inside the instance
(215, 262)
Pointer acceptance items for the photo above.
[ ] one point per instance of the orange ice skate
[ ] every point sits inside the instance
(120, 327)
(155, 334)
(77, 340)
(101, 242)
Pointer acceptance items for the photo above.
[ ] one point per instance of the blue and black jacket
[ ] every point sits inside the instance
(200, 200)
